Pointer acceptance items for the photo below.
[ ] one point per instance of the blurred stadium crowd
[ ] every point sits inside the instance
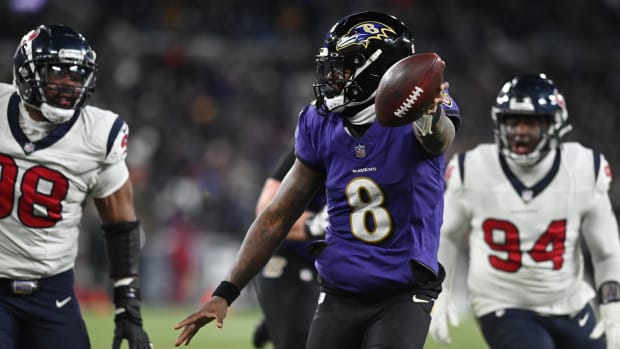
(211, 91)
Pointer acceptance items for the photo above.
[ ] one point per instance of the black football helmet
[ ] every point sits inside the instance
(532, 96)
(356, 52)
(54, 51)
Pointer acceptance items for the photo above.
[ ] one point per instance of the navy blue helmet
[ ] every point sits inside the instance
(54, 49)
(530, 96)
(356, 52)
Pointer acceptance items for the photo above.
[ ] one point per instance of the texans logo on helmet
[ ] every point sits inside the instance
(30, 36)
(362, 33)
(559, 99)
(26, 42)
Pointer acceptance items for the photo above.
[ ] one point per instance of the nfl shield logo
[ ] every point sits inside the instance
(28, 148)
(527, 195)
(360, 151)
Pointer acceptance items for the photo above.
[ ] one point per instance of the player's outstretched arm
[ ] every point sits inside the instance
(435, 130)
(444, 311)
(452, 241)
(270, 188)
(600, 230)
(263, 237)
(123, 235)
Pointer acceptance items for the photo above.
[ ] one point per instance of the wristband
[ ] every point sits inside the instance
(126, 292)
(228, 291)
(608, 292)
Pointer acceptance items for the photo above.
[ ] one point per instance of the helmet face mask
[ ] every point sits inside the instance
(356, 53)
(523, 135)
(530, 118)
(54, 71)
(331, 78)
(61, 86)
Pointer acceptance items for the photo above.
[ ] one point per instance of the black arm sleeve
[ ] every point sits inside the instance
(285, 162)
(123, 245)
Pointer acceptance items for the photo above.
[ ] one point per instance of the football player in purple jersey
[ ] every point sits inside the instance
(377, 265)
(56, 152)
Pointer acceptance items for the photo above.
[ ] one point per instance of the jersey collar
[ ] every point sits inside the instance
(526, 193)
(28, 146)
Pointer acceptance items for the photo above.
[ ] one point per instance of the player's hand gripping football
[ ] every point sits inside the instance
(444, 312)
(407, 88)
(216, 308)
(609, 324)
(425, 123)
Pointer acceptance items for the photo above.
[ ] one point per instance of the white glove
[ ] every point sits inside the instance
(609, 324)
(443, 311)
(316, 224)
(424, 124)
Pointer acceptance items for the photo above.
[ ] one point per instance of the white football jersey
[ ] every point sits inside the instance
(525, 238)
(44, 185)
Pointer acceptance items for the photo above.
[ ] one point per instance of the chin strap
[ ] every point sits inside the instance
(53, 114)
(56, 115)
(364, 116)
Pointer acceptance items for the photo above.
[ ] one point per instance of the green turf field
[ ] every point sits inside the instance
(238, 327)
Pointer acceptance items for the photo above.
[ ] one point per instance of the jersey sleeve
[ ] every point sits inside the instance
(114, 171)
(456, 215)
(116, 146)
(451, 108)
(304, 145)
(110, 179)
(600, 229)
(603, 174)
(456, 219)
(284, 163)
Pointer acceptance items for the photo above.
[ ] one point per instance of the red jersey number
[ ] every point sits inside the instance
(548, 247)
(43, 189)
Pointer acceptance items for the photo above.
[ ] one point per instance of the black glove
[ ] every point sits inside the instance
(261, 335)
(128, 321)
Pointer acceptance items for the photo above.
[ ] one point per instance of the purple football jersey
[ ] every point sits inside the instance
(384, 197)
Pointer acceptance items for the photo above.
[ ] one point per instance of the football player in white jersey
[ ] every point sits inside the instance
(523, 206)
(55, 153)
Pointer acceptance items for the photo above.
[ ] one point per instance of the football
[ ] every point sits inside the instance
(407, 89)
